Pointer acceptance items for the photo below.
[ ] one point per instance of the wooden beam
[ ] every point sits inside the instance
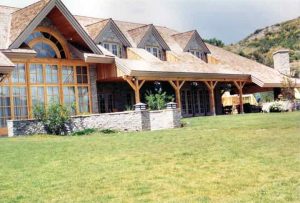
(136, 86)
(151, 78)
(240, 85)
(211, 87)
(177, 85)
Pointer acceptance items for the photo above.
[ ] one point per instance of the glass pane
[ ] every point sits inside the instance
(44, 50)
(83, 96)
(68, 74)
(5, 112)
(82, 77)
(36, 73)
(37, 96)
(51, 74)
(18, 75)
(52, 95)
(20, 102)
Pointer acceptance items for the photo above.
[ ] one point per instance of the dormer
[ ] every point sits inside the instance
(193, 43)
(107, 34)
(147, 37)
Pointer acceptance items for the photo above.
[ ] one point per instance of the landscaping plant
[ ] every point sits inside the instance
(54, 117)
(158, 100)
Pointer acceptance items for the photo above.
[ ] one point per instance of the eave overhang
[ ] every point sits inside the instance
(19, 53)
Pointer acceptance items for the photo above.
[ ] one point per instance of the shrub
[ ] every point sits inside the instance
(54, 117)
(84, 132)
(276, 107)
(157, 101)
(108, 131)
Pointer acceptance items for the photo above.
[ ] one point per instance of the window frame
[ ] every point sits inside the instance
(158, 53)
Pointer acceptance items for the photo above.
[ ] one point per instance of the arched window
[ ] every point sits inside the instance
(47, 44)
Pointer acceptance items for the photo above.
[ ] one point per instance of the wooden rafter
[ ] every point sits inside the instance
(136, 85)
(177, 85)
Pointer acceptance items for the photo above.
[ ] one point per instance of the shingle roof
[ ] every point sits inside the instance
(23, 17)
(260, 73)
(183, 38)
(95, 28)
(137, 34)
(134, 32)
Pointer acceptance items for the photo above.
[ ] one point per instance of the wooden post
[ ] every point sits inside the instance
(177, 86)
(239, 85)
(136, 86)
(211, 87)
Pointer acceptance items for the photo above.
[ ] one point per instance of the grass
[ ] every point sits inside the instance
(247, 158)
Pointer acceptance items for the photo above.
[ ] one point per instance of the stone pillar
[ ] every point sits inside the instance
(282, 61)
(93, 88)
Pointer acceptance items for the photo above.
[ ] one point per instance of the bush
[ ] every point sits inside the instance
(157, 101)
(54, 117)
(276, 107)
(84, 132)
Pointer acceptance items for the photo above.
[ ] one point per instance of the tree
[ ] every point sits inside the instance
(288, 88)
(215, 41)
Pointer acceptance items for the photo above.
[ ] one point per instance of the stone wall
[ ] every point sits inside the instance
(93, 89)
(123, 121)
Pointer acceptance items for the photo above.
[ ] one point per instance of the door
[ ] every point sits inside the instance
(195, 102)
(105, 103)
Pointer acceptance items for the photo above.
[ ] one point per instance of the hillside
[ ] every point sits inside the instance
(261, 44)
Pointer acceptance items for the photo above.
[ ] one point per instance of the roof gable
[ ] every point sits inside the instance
(190, 39)
(25, 20)
(140, 36)
(104, 29)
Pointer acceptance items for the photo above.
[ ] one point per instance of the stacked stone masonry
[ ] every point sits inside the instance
(123, 121)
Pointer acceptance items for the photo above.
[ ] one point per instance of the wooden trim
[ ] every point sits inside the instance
(59, 38)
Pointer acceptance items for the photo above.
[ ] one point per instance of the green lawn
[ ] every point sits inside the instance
(246, 158)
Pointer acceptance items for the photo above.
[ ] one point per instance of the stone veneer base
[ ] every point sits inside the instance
(123, 121)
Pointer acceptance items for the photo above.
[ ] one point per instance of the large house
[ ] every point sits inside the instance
(102, 65)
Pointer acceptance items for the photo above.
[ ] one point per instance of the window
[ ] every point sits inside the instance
(53, 95)
(5, 111)
(82, 76)
(52, 74)
(68, 74)
(44, 50)
(83, 96)
(157, 52)
(113, 48)
(69, 98)
(36, 73)
(37, 96)
(47, 47)
(199, 54)
(20, 103)
(18, 75)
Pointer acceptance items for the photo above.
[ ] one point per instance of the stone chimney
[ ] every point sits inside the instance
(281, 60)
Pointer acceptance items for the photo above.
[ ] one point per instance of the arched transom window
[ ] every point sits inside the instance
(48, 44)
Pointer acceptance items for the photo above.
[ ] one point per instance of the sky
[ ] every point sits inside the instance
(228, 20)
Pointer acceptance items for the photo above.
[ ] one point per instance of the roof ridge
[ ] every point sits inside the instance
(98, 22)
(10, 7)
(140, 27)
(26, 7)
(181, 33)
